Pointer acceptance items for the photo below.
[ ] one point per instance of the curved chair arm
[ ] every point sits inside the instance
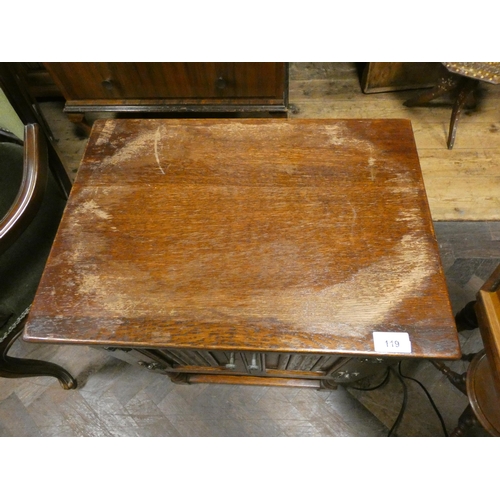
(33, 184)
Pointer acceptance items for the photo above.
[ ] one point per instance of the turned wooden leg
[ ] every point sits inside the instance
(79, 119)
(466, 422)
(465, 90)
(447, 83)
(457, 379)
(328, 385)
(11, 367)
(457, 85)
(179, 378)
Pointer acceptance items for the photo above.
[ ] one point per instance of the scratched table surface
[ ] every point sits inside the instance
(257, 234)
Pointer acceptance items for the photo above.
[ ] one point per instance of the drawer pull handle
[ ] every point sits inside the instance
(231, 365)
(253, 364)
(220, 83)
(107, 84)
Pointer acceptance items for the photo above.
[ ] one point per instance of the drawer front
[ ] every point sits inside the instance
(88, 81)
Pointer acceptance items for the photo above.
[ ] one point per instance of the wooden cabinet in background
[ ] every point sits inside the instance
(171, 87)
(393, 76)
(36, 80)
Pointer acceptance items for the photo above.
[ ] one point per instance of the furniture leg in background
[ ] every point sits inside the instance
(461, 79)
(481, 382)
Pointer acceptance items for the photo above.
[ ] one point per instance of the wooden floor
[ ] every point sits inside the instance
(462, 183)
(117, 399)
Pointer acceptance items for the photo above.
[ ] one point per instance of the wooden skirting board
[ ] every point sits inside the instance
(462, 183)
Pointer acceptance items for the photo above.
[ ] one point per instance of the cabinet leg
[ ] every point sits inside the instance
(328, 385)
(466, 422)
(79, 120)
(179, 378)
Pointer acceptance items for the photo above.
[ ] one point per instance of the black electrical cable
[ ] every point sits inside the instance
(428, 397)
(403, 405)
(400, 376)
(405, 396)
(384, 381)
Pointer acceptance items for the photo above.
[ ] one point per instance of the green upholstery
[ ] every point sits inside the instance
(8, 117)
(22, 264)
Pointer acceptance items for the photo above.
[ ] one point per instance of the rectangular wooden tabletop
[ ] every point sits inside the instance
(250, 234)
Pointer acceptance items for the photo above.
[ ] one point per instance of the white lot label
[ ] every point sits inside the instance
(391, 342)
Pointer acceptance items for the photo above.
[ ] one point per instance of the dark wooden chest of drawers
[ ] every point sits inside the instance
(171, 87)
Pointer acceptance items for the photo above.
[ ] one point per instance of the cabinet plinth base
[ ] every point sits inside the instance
(245, 380)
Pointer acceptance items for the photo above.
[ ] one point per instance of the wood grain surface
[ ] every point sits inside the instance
(82, 81)
(252, 234)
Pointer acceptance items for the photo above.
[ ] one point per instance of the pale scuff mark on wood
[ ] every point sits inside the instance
(368, 298)
(373, 292)
(340, 135)
(335, 134)
(138, 147)
(89, 284)
(262, 129)
(157, 156)
(99, 292)
(371, 166)
(91, 208)
(106, 133)
(111, 292)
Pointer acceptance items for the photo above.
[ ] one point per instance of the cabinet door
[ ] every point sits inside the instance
(246, 363)
(210, 80)
(325, 371)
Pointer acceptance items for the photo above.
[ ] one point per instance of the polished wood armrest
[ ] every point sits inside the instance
(31, 191)
(488, 315)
